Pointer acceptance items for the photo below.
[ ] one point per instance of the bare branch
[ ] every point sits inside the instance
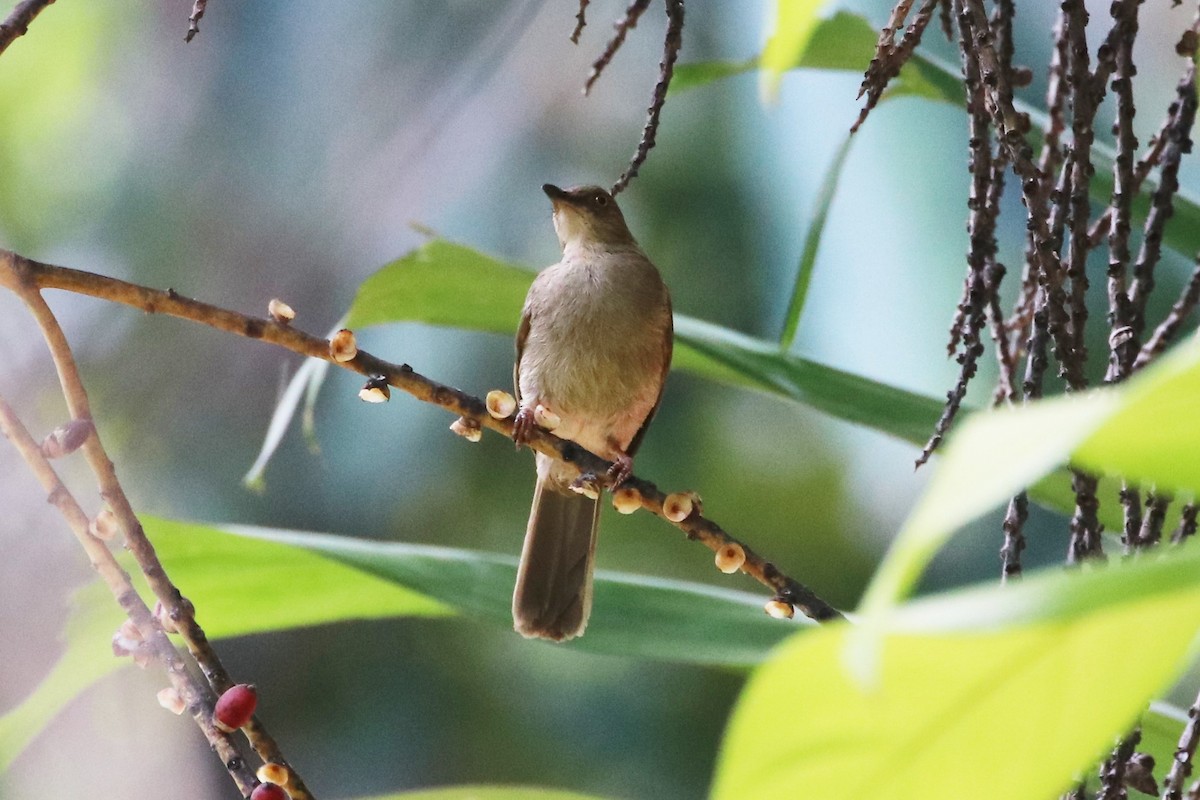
(15, 270)
(17, 22)
(580, 21)
(623, 26)
(671, 45)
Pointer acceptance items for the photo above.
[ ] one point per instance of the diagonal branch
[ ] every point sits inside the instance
(666, 68)
(198, 699)
(16, 271)
(17, 22)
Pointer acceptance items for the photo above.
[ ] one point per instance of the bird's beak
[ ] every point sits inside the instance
(556, 194)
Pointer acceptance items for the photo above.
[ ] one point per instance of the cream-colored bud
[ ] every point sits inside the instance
(501, 404)
(545, 418)
(67, 438)
(586, 485)
(467, 428)
(343, 346)
(169, 699)
(677, 507)
(627, 500)
(779, 609)
(730, 558)
(280, 311)
(104, 527)
(375, 393)
(273, 773)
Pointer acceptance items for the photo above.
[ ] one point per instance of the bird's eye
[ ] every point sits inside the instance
(601, 200)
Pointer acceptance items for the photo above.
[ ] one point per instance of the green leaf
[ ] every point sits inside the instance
(795, 23)
(812, 245)
(1002, 690)
(487, 793)
(1145, 429)
(240, 586)
(246, 580)
(699, 73)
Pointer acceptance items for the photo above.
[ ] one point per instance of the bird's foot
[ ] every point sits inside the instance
(620, 471)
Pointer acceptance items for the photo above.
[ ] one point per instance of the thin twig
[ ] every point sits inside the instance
(136, 541)
(580, 21)
(1083, 113)
(1112, 771)
(1181, 764)
(1122, 348)
(1166, 331)
(17, 23)
(198, 9)
(198, 699)
(1162, 204)
(14, 268)
(666, 68)
(623, 26)
(890, 56)
(1014, 537)
(1187, 524)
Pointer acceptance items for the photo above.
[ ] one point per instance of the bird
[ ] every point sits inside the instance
(592, 352)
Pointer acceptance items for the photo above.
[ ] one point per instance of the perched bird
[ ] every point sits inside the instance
(593, 350)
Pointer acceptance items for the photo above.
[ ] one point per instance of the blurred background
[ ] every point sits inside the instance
(286, 152)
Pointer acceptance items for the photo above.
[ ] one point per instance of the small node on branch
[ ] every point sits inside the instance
(169, 699)
(375, 390)
(67, 438)
(467, 428)
(779, 609)
(126, 639)
(1139, 774)
(343, 346)
(235, 707)
(273, 773)
(280, 311)
(730, 558)
(500, 404)
(104, 527)
(678, 506)
(627, 500)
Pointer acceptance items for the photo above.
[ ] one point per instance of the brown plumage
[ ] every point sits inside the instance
(593, 347)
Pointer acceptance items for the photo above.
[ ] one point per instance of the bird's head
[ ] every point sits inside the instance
(587, 216)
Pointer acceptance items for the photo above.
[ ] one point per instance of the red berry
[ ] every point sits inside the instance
(236, 707)
(268, 791)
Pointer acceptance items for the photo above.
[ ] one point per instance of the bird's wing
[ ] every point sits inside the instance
(668, 348)
(522, 334)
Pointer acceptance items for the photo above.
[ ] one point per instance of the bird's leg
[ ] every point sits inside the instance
(523, 425)
(620, 471)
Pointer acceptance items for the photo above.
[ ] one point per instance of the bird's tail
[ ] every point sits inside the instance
(554, 582)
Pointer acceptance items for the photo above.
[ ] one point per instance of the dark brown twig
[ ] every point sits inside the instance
(1185, 751)
(1112, 771)
(16, 24)
(1083, 113)
(16, 269)
(1162, 206)
(580, 21)
(890, 56)
(1187, 524)
(1166, 331)
(671, 45)
(622, 26)
(1014, 537)
(1150, 533)
(198, 9)
(1120, 316)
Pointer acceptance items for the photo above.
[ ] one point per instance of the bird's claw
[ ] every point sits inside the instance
(620, 471)
(523, 425)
